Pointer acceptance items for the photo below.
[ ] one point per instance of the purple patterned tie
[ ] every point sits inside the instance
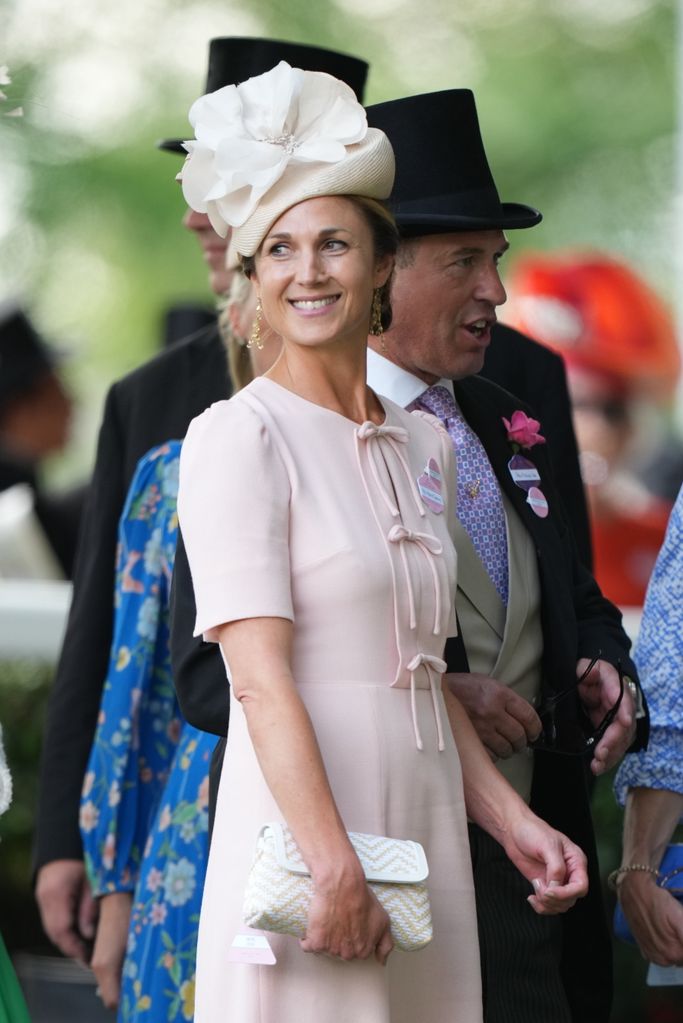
(480, 506)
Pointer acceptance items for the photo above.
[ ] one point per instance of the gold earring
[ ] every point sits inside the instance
(376, 328)
(255, 336)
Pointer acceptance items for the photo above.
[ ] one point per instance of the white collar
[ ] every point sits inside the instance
(385, 377)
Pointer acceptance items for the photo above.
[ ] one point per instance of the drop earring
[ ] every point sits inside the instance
(255, 336)
(376, 328)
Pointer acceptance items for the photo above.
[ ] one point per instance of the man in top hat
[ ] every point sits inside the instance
(531, 617)
(35, 416)
(149, 406)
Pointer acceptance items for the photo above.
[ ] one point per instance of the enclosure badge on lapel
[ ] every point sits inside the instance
(430, 485)
(536, 499)
(524, 432)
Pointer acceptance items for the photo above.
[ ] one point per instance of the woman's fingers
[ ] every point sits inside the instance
(346, 934)
(384, 948)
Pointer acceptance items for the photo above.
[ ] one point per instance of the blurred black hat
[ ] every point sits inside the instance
(24, 356)
(232, 60)
(443, 180)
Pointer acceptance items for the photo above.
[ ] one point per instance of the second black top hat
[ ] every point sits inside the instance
(443, 179)
(235, 59)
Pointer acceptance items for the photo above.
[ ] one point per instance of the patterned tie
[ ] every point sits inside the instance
(480, 506)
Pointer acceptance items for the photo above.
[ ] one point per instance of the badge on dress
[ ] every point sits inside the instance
(537, 500)
(430, 485)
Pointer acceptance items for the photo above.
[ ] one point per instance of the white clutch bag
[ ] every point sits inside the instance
(279, 888)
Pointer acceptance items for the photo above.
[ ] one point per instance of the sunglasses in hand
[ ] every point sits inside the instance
(579, 741)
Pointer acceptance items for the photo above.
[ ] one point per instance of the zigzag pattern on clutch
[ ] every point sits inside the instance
(277, 899)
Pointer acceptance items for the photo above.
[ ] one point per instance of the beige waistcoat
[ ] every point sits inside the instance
(506, 645)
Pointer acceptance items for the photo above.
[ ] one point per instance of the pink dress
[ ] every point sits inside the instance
(290, 510)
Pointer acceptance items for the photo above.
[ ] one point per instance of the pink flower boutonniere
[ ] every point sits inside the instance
(522, 430)
(523, 433)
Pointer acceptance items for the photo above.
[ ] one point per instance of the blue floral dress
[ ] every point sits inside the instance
(144, 808)
(658, 655)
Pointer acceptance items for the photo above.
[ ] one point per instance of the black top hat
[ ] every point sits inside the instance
(24, 356)
(234, 59)
(443, 180)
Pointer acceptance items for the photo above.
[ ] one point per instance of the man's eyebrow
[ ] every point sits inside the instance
(475, 250)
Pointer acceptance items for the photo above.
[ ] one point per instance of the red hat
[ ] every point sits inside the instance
(599, 315)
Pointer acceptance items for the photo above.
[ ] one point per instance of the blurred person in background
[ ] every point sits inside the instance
(650, 783)
(35, 420)
(144, 819)
(144, 409)
(12, 1005)
(619, 345)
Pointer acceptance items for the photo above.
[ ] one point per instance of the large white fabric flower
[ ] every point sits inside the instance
(247, 135)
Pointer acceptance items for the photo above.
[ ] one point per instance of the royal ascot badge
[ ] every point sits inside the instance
(430, 485)
(524, 473)
(536, 499)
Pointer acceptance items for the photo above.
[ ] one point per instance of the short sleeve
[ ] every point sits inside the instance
(233, 506)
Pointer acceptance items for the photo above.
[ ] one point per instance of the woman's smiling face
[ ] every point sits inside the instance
(316, 272)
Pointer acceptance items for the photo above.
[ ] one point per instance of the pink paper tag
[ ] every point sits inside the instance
(539, 505)
(430, 485)
(251, 948)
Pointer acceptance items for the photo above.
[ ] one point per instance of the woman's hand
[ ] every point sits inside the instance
(655, 918)
(346, 920)
(554, 865)
(110, 945)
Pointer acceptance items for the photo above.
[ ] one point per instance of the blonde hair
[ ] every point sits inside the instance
(239, 361)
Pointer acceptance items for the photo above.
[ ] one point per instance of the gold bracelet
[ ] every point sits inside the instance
(631, 868)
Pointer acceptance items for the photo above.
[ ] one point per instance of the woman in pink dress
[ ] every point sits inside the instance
(316, 521)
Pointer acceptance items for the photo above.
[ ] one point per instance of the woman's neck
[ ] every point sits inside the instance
(333, 376)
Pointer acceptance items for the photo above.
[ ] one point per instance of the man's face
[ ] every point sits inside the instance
(444, 295)
(214, 248)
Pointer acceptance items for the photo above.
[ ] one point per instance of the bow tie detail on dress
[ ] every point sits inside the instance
(479, 505)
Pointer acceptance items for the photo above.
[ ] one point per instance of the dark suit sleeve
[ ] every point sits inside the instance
(198, 669)
(77, 687)
(598, 620)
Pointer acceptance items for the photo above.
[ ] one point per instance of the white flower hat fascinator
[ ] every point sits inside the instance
(279, 138)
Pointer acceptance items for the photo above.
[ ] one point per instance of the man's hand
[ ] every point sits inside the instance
(110, 946)
(504, 721)
(598, 694)
(67, 908)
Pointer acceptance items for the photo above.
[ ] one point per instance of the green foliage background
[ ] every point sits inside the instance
(576, 101)
(577, 105)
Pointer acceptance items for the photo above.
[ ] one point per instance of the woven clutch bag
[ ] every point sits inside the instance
(280, 889)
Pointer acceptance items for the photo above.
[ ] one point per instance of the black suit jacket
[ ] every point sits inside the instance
(536, 375)
(577, 622)
(153, 404)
